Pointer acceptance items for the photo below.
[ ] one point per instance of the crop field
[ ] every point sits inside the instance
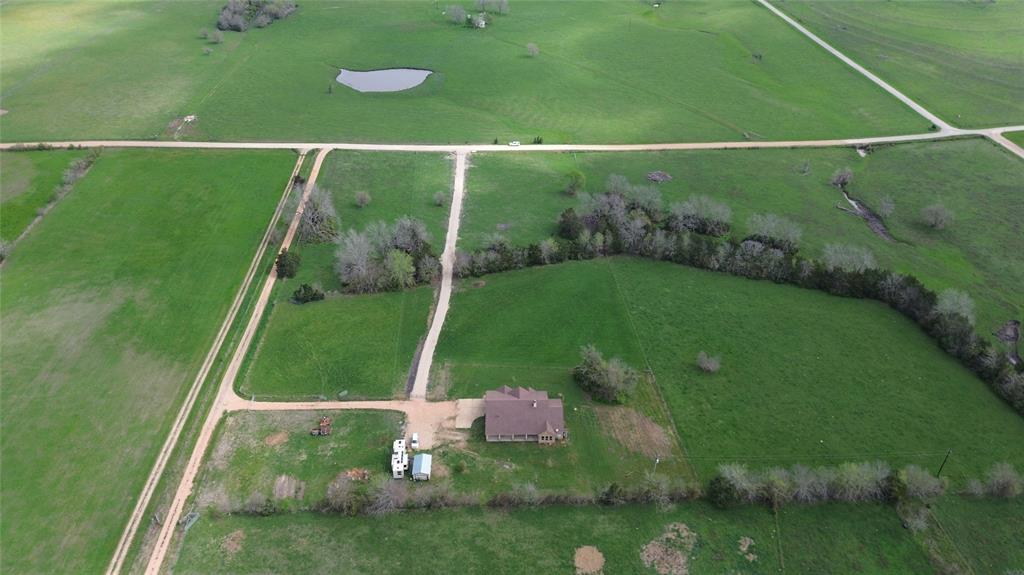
(255, 450)
(351, 346)
(110, 305)
(806, 377)
(482, 541)
(712, 70)
(982, 252)
(962, 60)
(29, 179)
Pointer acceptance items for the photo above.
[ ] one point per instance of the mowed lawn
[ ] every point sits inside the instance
(981, 252)
(27, 182)
(806, 377)
(110, 305)
(352, 346)
(961, 60)
(253, 449)
(708, 70)
(545, 540)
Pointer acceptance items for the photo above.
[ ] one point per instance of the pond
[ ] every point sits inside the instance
(389, 80)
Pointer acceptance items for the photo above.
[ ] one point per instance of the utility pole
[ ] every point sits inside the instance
(657, 460)
(944, 460)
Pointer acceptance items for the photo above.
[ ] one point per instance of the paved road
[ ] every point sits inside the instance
(123, 545)
(419, 386)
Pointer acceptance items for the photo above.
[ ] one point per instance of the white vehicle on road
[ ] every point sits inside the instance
(514, 143)
(415, 443)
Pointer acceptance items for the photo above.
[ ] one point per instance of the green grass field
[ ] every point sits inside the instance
(1017, 137)
(806, 377)
(961, 60)
(985, 534)
(253, 449)
(27, 181)
(545, 541)
(699, 80)
(110, 305)
(351, 346)
(982, 252)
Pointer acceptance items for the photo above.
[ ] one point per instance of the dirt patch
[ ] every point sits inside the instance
(275, 439)
(746, 548)
(232, 543)
(288, 487)
(357, 474)
(669, 554)
(589, 560)
(2, 111)
(635, 431)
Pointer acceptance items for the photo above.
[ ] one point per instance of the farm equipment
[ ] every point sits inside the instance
(323, 429)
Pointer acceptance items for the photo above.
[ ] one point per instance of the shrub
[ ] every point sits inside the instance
(974, 488)
(362, 199)
(702, 215)
(343, 496)
(955, 302)
(610, 381)
(287, 264)
(217, 37)
(708, 364)
(238, 15)
(917, 483)
(456, 13)
(862, 481)
(936, 216)
(576, 182)
(307, 293)
(720, 492)
(744, 484)
(1003, 481)
(387, 496)
(776, 231)
(570, 226)
(207, 50)
(440, 199)
(849, 258)
(532, 50)
(841, 178)
(886, 207)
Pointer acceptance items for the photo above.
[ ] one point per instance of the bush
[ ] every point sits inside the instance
(775, 231)
(456, 13)
(917, 483)
(287, 264)
(708, 364)
(576, 183)
(343, 497)
(238, 15)
(720, 492)
(569, 225)
(609, 381)
(849, 258)
(440, 199)
(936, 216)
(702, 215)
(307, 293)
(1003, 481)
(955, 302)
(387, 496)
(362, 199)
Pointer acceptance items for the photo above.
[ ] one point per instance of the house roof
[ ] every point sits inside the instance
(522, 411)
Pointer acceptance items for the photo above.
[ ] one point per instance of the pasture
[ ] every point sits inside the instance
(485, 541)
(711, 70)
(960, 60)
(982, 252)
(805, 378)
(110, 305)
(254, 450)
(28, 183)
(351, 346)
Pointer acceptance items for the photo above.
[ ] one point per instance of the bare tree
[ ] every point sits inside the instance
(777, 228)
(707, 363)
(354, 264)
(532, 50)
(319, 222)
(953, 301)
(204, 33)
(841, 178)
(503, 7)
(1004, 481)
(207, 50)
(387, 496)
(849, 258)
(937, 216)
(886, 207)
(216, 37)
(456, 14)
(919, 484)
(362, 199)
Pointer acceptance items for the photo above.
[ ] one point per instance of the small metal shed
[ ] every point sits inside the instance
(421, 467)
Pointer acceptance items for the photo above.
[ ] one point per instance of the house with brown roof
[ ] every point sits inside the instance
(523, 414)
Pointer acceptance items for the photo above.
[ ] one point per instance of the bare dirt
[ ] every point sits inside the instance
(746, 545)
(232, 543)
(356, 474)
(635, 431)
(669, 554)
(275, 439)
(288, 487)
(589, 560)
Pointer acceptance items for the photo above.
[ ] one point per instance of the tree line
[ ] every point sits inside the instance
(632, 220)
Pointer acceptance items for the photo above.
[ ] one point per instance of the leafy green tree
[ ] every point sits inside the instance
(288, 264)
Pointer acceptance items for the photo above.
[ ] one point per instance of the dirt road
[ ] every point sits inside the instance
(419, 386)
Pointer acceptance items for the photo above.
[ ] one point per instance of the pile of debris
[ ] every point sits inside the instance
(659, 176)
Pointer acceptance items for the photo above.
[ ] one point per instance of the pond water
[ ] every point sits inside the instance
(390, 80)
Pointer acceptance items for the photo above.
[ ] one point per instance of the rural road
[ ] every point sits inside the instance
(419, 386)
(225, 396)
